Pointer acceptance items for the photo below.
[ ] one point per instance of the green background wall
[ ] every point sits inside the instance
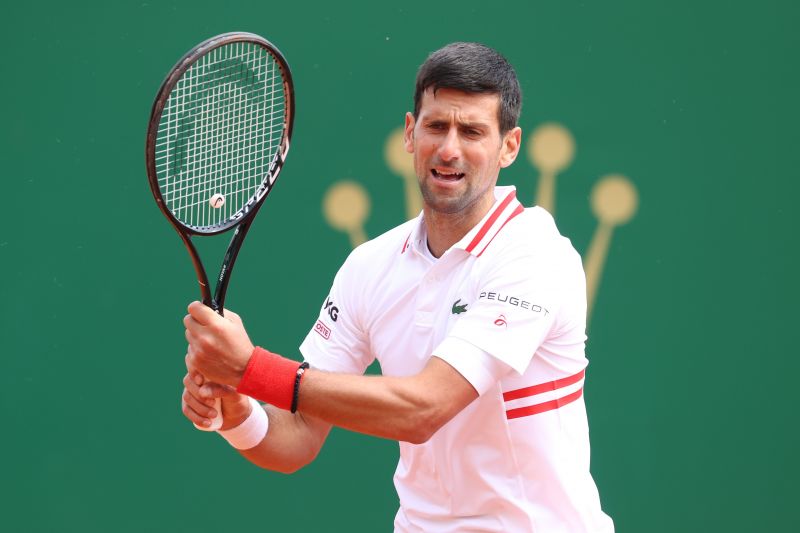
(693, 337)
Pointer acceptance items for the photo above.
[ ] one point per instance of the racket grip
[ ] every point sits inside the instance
(216, 423)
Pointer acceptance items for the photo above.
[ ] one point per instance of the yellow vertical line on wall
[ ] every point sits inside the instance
(614, 201)
(550, 150)
(402, 163)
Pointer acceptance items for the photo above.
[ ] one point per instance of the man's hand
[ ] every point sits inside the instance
(197, 402)
(219, 347)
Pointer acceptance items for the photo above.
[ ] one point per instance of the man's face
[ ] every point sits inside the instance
(458, 150)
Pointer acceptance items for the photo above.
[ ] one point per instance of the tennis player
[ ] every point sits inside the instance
(476, 311)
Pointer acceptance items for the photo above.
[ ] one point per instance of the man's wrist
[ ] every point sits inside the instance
(241, 368)
(270, 378)
(235, 411)
(251, 431)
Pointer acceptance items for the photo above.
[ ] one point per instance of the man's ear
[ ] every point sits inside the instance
(408, 134)
(511, 144)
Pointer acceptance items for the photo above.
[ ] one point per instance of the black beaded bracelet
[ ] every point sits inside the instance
(300, 371)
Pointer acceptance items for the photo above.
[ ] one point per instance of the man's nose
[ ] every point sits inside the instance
(450, 149)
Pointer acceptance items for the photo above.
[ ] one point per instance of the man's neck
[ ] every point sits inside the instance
(446, 229)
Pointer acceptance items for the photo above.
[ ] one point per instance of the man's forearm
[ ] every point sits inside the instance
(292, 441)
(400, 408)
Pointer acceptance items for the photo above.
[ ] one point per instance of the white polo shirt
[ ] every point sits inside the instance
(506, 307)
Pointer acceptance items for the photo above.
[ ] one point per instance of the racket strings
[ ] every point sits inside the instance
(220, 132)
(230, 131)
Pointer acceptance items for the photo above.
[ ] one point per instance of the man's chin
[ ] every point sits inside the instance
(444, 203)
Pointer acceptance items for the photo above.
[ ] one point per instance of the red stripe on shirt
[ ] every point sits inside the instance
(487, 226)
(543, 387)
(514, 213)
(405, 245)
(545, 406)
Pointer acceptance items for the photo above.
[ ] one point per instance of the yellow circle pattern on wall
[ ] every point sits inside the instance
(346, 208)
(550, 149)
(614, 201)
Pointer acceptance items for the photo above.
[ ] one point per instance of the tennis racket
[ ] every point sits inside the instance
(217, 139)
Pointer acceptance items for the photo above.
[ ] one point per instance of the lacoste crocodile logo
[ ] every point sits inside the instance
(458, 309)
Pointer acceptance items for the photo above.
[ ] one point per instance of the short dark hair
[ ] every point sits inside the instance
(472, 68)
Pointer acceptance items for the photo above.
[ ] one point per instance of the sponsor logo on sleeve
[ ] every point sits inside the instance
(332, 310)
(501, 321)
(323, 330)
(513, 300)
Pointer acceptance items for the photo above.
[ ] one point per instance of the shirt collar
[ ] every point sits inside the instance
(506, 206)
(475, 242)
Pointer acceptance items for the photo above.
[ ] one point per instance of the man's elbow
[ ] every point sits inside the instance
(287, 469)
(284, 465)
(422, 428)
(435, 396)
(419, 437)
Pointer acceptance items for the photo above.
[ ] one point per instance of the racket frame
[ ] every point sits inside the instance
(242, 218)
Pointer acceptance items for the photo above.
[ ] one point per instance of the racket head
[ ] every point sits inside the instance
(220, 125)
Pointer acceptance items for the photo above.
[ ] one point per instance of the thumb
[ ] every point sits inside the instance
(201, 313)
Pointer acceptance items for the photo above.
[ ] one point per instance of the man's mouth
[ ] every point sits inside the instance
(447, 175)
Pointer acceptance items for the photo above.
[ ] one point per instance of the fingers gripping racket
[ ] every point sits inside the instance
(217, 139)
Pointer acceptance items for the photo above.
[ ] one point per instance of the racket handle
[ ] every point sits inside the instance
(216, 423)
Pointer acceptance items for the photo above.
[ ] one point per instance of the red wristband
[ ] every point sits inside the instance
(270, 378)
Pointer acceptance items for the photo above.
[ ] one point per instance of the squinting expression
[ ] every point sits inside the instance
(459, 151)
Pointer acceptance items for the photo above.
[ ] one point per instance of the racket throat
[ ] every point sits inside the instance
(227, 263)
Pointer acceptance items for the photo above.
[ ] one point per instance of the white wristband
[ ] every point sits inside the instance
(251, 432)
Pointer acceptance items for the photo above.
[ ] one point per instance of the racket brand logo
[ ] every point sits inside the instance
(323, 330)
(263, 189)
(513, 300)
(332, 310)
(458, 309)
(246, 209)
(231, 72)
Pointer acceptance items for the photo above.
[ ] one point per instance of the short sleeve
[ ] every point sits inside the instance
(513, 311)
(337, 342)
(476, 366)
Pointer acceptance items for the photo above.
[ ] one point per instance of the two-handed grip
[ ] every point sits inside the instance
(216, 423)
